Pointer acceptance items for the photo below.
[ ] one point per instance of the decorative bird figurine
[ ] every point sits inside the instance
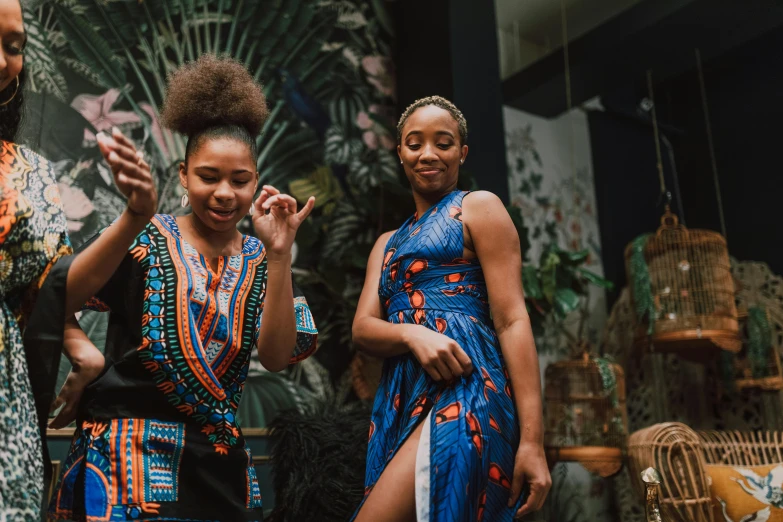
(304, 106)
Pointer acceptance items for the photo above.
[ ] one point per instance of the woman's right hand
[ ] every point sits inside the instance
(131, 173)
(440, 356)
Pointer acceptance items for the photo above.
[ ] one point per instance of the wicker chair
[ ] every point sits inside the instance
(680, 454)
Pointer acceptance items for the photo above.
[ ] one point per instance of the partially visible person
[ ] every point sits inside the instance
(33, 237)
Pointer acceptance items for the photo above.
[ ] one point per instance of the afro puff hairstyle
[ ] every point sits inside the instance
(214, 97)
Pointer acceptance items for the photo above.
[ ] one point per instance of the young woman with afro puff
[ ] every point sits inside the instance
(157, 436)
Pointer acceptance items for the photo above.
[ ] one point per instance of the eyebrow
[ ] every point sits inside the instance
(214, 169)
(441, 132)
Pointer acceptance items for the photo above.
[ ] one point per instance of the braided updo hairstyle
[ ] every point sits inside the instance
(442, 103)
(214, 97)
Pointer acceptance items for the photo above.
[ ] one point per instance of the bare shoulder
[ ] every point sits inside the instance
(384, 238)
(380, 244)
(482, 203)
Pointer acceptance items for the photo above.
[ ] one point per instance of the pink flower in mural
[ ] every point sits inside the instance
(157, 130)
(370, 139)
(380, 73)
(76, 205)
(363, 120)
(98, 111)
(375, 133)
(387, 142)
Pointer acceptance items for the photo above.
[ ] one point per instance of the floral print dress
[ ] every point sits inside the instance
(33, 237)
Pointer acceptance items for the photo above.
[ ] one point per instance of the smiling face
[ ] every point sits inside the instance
(220, 177)
(431, 151)
(12, 42)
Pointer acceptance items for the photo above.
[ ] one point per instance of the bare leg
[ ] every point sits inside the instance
(392, 499)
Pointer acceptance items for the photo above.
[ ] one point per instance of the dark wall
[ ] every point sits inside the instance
(449, 48)
(742, 89)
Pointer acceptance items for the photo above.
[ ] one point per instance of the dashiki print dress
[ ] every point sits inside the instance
(465, 459)
(33, 236)
(157, 436)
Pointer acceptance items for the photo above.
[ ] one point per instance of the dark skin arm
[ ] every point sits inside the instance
(277, 230)
(496, 243)
(441, 356)
(93, 267)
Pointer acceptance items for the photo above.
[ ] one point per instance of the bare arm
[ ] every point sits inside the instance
(371, 333)
(497, 246)
(87, 363)
(278, 327)
(441, 356)
(276, 220)
(93, 267)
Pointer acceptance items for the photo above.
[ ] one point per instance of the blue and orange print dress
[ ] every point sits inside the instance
(157, 436)
(466, 453)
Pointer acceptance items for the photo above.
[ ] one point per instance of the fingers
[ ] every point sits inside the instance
(66, 415)
(454, 366)
(281, 201)
(516, 489)
(464, 360)
(443, 370)
(272, 191)
(121, 139)
(129, 169)
(56, 404)
(127, 184)
(533, 503)
(309, 206)
(434, 373)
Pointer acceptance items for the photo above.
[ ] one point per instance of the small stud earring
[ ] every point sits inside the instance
(461, 161)
(400, 162)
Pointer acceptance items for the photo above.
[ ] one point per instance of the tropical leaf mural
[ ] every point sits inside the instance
(326, 70)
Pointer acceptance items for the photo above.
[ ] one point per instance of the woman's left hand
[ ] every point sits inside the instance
(530, 468)
(277, 228)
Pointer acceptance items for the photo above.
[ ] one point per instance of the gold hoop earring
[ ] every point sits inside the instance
(9, 100)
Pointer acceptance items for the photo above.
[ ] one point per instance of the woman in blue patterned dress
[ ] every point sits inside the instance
(33, 245)
(449, 439)
(157, 436)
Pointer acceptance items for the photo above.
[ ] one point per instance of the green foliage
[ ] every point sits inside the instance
(759, 341)
(641, 285)
(558, 284)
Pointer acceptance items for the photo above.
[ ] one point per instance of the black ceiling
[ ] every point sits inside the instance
(660, 35)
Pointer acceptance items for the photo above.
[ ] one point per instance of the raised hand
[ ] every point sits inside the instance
(276, 220)
(131, 173)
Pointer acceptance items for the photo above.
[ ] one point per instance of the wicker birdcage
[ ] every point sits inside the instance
(759, 298)
(674, 450)
(760, 371)
(683, 290)
(585, 415)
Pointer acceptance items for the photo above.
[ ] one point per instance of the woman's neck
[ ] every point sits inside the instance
(424, 202)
